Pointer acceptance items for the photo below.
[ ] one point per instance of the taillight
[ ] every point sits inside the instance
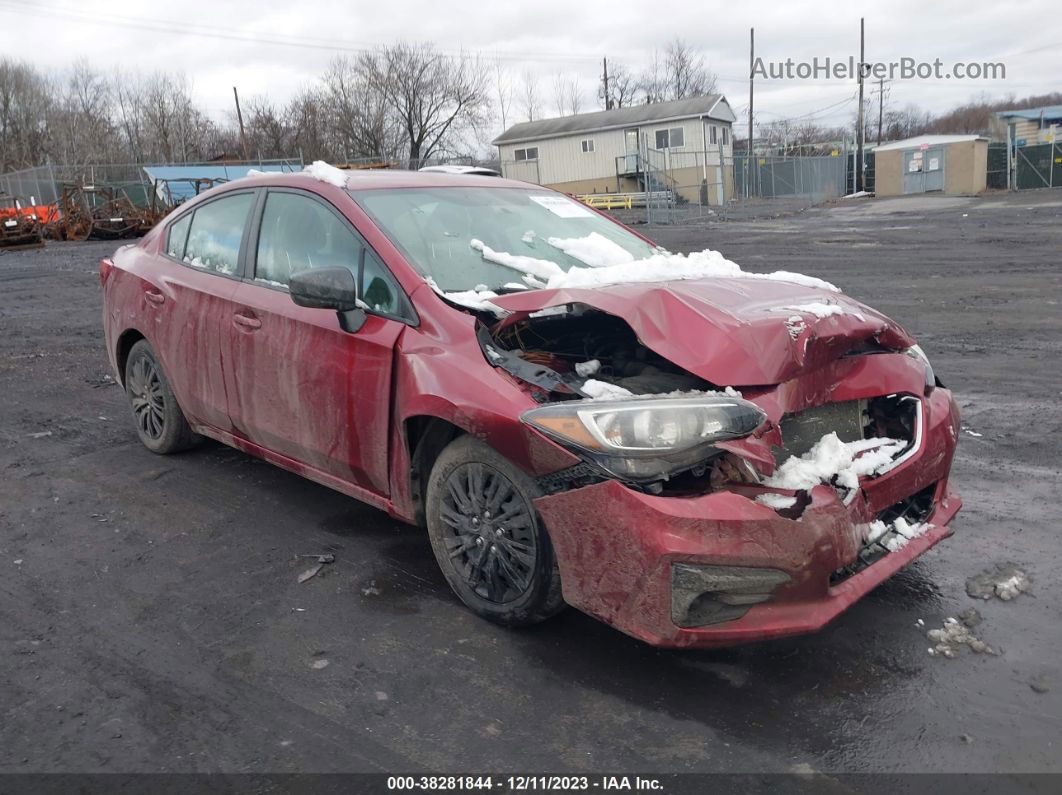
(106, 268)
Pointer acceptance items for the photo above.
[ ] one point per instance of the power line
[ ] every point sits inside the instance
(210, 31)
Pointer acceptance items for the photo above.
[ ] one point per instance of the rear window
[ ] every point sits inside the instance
(178, 236)
(216, 232)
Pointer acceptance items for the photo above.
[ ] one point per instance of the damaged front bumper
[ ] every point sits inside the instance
(721, 569)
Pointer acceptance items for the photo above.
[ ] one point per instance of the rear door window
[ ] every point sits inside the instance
(216, 232)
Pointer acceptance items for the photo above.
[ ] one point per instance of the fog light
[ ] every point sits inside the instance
(703, 595)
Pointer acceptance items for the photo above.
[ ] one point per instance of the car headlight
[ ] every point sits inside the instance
(916, 352)
(646, 438)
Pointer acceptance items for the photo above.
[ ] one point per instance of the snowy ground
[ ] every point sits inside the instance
(153, 619)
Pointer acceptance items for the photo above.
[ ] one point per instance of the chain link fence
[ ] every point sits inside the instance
(43, 184)
(1038, 166)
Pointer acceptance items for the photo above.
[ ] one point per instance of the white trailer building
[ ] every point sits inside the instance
(684, 145)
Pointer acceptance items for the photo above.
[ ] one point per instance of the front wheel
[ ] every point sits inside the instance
(160, 423)
(487, 537)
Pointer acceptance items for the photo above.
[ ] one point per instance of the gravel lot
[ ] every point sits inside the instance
(150, 618)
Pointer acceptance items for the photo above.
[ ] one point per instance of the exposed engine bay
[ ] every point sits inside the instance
(558, 341)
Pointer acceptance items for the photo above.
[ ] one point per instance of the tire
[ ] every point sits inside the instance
(502, 566)
(160, 423)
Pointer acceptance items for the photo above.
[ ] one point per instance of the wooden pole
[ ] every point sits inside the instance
(239, 117)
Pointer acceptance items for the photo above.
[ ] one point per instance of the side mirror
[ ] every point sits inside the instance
(329, 288)
(324, 288)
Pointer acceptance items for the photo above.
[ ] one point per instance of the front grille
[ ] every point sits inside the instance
(803, 429)
(914, 509)
(890, 417)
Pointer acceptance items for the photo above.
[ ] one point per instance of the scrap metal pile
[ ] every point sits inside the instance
(101, 212)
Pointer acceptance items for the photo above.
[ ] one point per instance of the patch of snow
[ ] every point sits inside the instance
(270, 282)
(550, 311)
(1004, 582)
(620, 393)
(532, 266)
(254, 172)
(903, 532)
(583, 369)
(471, 299)
(661, 266)
(795, 325)
(776, 501)
(320, 170)
(529, 236)
(595, 250)
(972, 433)
(515, 286)
(857, 195)
(1011, 587)
(476, 299)
(951, 637)
(602, 390)
(823, 310)
(834, 461)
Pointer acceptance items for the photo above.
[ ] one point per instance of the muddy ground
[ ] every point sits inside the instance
(150, 618)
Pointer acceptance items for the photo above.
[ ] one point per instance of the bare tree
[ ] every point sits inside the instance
(622, 87)
(266, 128)
(652, 81)
(309, 132)
(503, 89)
(529, 96)
(687, 73)
(567, 98)
(434, 96)
(363, 120)
(25, 101)
(679, 72)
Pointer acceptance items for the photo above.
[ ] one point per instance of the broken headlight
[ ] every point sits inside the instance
(916, 352)
(648, 438)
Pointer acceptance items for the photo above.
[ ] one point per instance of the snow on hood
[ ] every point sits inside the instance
(734, 330)
(611, 264)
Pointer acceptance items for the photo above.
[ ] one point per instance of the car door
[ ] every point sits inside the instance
(298, 384)
(198, 274)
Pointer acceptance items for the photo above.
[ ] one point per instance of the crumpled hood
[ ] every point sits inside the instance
(732, 332)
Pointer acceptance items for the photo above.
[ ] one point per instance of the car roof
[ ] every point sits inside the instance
(369, 179)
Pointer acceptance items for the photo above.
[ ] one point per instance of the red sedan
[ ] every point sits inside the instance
(694, 454)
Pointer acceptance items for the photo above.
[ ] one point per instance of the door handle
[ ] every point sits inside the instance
(155, 297)
(247, 322)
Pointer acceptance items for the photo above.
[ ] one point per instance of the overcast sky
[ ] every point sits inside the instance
(548, 36)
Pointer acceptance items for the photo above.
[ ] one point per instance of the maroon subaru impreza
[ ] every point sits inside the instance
(694, 454)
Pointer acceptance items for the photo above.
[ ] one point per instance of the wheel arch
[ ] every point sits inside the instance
(426, 436)
(126, 340)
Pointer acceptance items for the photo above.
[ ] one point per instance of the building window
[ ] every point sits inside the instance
(713, 134)
(669, 139)
(530, 153)
(726, 136)
(588, 145)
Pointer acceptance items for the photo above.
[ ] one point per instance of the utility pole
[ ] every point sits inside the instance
(859, 132)
(752, 73)
(881, 105)
(608, 97)
(239, 117)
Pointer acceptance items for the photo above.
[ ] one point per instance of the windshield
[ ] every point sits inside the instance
(503, 239)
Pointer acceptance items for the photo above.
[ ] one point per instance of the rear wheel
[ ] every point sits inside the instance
(160, 423)
(487, 537)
